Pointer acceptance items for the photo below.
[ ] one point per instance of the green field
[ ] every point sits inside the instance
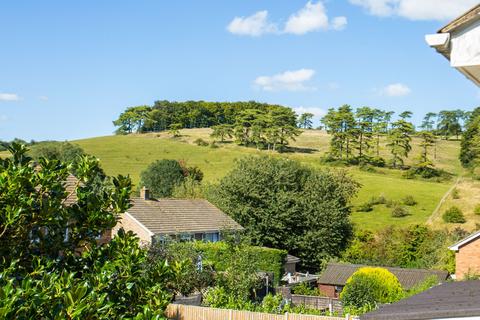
(131, 154)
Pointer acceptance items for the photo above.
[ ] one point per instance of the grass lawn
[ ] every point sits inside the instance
(131, 154)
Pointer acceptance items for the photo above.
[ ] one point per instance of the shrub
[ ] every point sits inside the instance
(200, 142)
(392, 203)
(409, 201)
(454, 215)
(477, 210)
(455, 194)
(381, 199)
(370, 286)
(213, 145)
(399, 212)
(365, 207)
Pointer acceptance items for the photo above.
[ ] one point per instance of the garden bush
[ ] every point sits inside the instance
(399, 212)
(409, 201)
(370, 286)
(455, 194)
(454, 215)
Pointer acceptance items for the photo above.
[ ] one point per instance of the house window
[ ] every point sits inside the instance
(338, 289)
(211, 237)
(186, 237)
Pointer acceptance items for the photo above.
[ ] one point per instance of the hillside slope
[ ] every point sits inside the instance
(131, 154)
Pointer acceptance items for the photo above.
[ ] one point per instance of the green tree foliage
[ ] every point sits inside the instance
(282, 204)
(428, 123)
(305, 120)
(410, 247)
(405, 115)
(65, 152)
(341, 125)
(449, 123)
(370, 286)
(163, 176)
(470, 145)
(174, 129)
(222, 132)
(51, 266)
(399, 139)
(132, 119)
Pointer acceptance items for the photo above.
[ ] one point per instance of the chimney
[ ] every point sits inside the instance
(145, 193)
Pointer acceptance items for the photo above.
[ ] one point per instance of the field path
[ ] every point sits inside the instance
(436, 212)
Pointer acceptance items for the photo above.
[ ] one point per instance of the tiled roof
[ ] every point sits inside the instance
(448, 300)
(173, 216)
(338, 274)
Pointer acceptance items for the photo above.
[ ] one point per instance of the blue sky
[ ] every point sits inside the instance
(67, 69)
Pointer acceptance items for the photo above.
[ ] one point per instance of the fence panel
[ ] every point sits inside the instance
(184, 312)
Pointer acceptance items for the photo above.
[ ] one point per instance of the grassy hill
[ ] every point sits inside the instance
(131, 154)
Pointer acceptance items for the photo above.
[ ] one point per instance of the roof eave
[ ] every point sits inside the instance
(466, 18)
(465, 241)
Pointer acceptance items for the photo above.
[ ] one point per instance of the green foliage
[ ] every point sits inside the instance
(305, 120)
(174, 129)
(46, 275)
(220, 254)
(370, 286)
(305, 289)
(132, 119)
(455, 194)
(200, 142)
(65, 152)
(453, 215)
(411, 247)
(399, 139)
(303, 211)
(477, 210)
(161, 177)
(365, 207)
(222, 131)
(399, 212)
(470, 145)
(409, 201)
(423, 286)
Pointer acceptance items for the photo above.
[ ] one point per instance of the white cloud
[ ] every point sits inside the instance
(286, 81)
(317, 112)
(43, 98)
(339, 23)
(396, 90)
(417, 9)
(312, 17)
(9, 97)
(254, 25)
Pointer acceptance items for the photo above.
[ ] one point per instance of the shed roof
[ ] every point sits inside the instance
(448, 300)
(338, 274)
(174, 216)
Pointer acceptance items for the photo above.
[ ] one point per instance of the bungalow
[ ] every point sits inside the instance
(452, 300)
(335, 276)
(467, 256)
(154, 220)
(459, 42)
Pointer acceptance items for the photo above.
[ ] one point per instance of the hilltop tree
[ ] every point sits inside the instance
(132, 119)
(222, 131)
(405, 115)
(380, 126)
(285, 205)
(428, 123)
(399, 140)
(470, 145)
(427, 141)
(174, 129)
(341, 125)
(364, 130)
(305, 120)
(449, 123)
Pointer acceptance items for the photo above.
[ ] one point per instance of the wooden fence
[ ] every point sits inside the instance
(183, 312)
(319, 303)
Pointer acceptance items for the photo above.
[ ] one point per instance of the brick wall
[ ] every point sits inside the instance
(467, 260)
(128, 223)
(328, 290)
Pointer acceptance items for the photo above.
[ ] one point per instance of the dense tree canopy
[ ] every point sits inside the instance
(470, 146)
(284, 205)
(52, 266)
